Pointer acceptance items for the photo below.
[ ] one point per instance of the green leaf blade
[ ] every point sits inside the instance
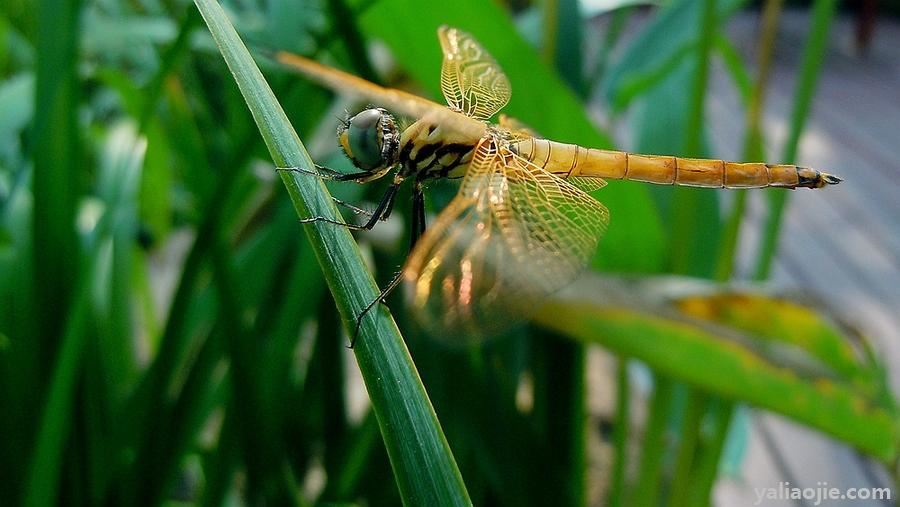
(697, 356)
(424, 467)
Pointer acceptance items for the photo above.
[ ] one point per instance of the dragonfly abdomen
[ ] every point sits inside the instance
(569, 160)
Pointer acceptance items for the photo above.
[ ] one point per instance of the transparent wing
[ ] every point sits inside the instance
(587, 184)
(471, 80)
(397, 101)
(513, 130)
(517, 130)
(514, 234)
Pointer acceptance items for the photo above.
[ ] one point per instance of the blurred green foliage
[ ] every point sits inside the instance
(168, 335)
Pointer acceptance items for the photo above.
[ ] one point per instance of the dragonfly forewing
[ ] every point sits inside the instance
(514, 234)
(398, 101)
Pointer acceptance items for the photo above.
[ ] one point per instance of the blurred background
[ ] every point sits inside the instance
(167, 335)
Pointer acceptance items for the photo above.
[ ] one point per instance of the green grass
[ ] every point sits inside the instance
(170, 334)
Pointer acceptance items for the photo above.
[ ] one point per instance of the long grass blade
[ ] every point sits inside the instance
(563, 42)
(559, 409)
(56, 164)
(688, 446)
(707, 466)
(620, 434)
(42, 484)
(56, 253)
(121, 177)
(645, 491)
(618, 20)
(423, 464)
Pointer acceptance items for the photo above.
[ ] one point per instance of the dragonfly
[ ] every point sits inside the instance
(523, 224)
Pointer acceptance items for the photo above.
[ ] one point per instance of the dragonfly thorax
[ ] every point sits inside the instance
(430, 148)
(371, 140)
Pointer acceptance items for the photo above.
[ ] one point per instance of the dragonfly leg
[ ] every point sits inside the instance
(332, 175)
(418, 215)
(385, 292)
(319, 218)
(326, 173)
(320, 172)
(356, 210)
(418, 228)
(380, 213)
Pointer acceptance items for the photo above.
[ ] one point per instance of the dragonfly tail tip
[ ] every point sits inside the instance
(831, 179)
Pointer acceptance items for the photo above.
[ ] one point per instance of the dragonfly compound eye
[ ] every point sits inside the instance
(366, 139)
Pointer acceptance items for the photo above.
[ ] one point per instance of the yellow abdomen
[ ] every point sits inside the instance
(569, 160)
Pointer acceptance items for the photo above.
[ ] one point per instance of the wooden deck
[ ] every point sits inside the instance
(845, 246)
(841, 245)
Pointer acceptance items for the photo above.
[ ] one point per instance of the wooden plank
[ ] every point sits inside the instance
(816, 462)
(843, 244)
(760, 469)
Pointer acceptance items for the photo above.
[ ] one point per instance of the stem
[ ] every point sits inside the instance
(813, 57)
(687, 447)
(617, 22)
(693, 141)
(707, 467)
(55, 252)
(171, 57)
(345, 24)
(620, 434)
(551, 31)
(646, 490)
(753, 143)
(684, 228)
(57, 167)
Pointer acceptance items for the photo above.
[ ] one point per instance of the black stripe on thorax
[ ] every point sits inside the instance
(426, 152)
(440, 151)
(405, 151)
(458, 148)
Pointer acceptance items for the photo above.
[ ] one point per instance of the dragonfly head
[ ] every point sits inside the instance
(371, 141)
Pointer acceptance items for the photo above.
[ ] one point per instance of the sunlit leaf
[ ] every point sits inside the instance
(725, 362)
(779, 319)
